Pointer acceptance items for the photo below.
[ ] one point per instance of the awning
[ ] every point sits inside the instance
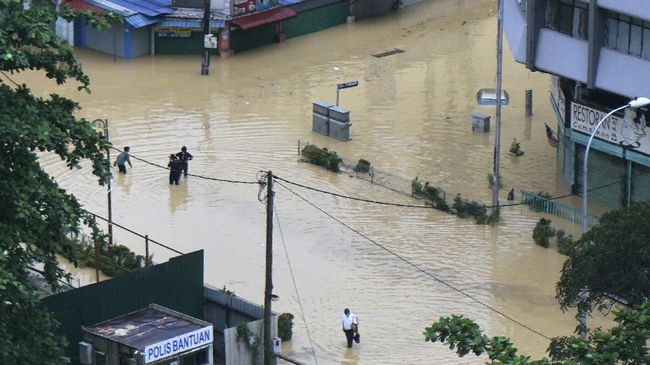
(264, 17)
(82, 5)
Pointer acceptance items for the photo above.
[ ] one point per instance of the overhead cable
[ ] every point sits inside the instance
(418, 268)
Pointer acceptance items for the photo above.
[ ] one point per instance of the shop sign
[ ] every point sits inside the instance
(629, 131)
(241, 7)
(174, 32)
(178, 344)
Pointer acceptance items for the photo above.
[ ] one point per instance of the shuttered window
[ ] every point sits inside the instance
(607, 181)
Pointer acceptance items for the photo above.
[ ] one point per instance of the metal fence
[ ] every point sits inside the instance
(549, 206)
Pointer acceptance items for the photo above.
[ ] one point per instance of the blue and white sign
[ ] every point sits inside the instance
(178, 344)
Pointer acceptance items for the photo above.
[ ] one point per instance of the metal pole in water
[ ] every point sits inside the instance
(497, 134)
(529, 102)
(205, 65)
(268, 290)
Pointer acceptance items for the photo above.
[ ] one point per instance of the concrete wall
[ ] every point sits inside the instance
(240, 353)
(227, 311)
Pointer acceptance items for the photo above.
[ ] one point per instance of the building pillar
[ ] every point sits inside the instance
(128, 54)
(279, 36)
(223, 36)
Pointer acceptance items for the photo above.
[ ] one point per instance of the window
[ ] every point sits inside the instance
(627, 35)
(570, 17)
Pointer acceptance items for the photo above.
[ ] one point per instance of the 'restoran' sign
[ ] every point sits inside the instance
(629, 131)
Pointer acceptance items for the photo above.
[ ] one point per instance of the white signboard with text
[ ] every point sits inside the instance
(178, 344)
(628, 132)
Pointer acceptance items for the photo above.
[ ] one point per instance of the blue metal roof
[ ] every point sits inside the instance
(137, 13)
(289, 2)
(192, 24)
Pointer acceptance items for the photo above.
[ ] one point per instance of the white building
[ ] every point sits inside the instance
(599, 54)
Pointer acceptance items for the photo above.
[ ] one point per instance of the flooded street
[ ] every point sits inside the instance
(411, 116)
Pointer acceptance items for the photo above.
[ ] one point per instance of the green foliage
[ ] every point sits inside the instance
(36, 213)
(227, 291)
(626, 343)
(515, 148)
(469, 208)
(113, 260)
(543, 232)
(322, 157)
(461, 208)
(285, 326)
(611, 259)
(565, 242)
(362, 166)
(490, 179)
(250, 341)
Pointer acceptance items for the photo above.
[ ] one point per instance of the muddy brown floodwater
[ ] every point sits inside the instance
(411, 116)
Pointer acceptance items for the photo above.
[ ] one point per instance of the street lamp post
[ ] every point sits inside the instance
(104, 123)
(636, 103)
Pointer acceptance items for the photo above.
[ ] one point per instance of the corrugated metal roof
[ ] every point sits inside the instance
(139, 20)
(289, 2)
(192, 24)
(82, 5)
(264, 17)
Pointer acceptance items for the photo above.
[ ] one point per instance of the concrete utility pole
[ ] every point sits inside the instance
(497, 132)
(269, 357)
(104, 123)
(205, 65)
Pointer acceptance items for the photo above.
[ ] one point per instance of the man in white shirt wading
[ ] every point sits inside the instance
(350, 325)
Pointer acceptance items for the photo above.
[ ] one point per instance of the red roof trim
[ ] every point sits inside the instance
(82, 5)
(264, 17)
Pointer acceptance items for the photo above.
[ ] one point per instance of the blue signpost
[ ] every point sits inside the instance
(345, 85)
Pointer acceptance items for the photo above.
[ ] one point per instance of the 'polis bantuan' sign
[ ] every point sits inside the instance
(628, 132)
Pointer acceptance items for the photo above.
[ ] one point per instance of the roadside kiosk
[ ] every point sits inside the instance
(153, 335)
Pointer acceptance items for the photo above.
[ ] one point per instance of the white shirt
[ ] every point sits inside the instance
(349, 320)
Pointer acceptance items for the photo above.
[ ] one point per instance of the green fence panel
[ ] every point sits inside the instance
(243, 40)
(545, 205)
(317, 19)
(178, 45)
(176, 284)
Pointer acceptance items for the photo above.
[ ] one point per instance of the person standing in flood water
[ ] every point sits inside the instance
(122, 159)
(175, 166)
(350, 325)
(183, 157)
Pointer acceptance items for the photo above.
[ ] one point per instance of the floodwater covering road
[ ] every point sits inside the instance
(411, 116)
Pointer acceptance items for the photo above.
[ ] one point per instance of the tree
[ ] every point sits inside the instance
(36, 214)
(610, 260)
(626, 343)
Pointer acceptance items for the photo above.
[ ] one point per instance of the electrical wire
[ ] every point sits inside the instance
(418, 268)
(135, 233)
(193, 175)
(295, 286)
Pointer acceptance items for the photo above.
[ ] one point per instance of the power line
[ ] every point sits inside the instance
(417, 267)
(193, 175)
(293, 278)
(136, 233)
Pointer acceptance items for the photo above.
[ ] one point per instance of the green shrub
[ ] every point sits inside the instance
(430, 193)
(565, 243)
(515, 148)
(285, 326)
(322, 157)
(543, 232)
(490, 179)
(362, 166)
(468, 208)
(113, 260)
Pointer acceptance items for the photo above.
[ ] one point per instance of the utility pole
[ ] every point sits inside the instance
(497, 132)
(268, 290)
(104, 123)
(205, 65)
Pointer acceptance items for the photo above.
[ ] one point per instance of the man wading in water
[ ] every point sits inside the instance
(183, 157)
(350, 327)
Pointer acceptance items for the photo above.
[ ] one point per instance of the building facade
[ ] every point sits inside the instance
(598, 52)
